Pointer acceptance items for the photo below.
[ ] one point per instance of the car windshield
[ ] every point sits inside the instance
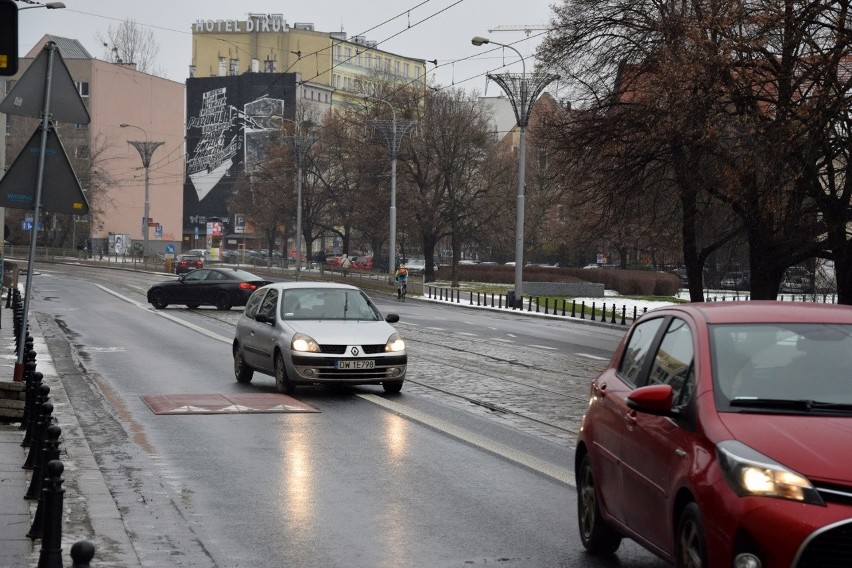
(782, 366)
(327, 304)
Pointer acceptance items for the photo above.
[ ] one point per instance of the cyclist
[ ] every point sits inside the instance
(401, 276)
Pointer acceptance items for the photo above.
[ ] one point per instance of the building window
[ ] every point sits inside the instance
(192, 71)
(417, 72)
(396, 65)
(338, 50)
(358, 57)
(348, 54)
(235, 66)
(269, 66)
(407, 70)
(82, 88)
(222, 67)
(387, 64)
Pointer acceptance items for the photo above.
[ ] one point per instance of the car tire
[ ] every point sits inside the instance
(192, 306)
(690, 547)
(242, 371)
(223, 301)
(596, 535)
(392, 387)
(282, 382)
(158, 299)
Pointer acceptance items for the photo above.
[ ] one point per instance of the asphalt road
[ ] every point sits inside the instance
(471, 465)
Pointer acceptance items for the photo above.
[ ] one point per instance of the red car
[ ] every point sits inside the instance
(187, 262)
(362, 263)
(720, 435)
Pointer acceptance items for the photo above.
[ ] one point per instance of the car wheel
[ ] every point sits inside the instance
(223, 301)
(242, 371)
(691, 551)
(392, 387)
(158, 299)
(282, 382)
(597, 536)
(192, 306)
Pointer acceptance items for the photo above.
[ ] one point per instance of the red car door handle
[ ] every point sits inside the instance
(630, 418)
(599, 390)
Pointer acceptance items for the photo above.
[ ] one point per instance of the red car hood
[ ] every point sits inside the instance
(815, 446)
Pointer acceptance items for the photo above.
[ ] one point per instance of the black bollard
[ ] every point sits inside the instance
(32, 380)
(82, 553)
(51, 544)
(35, 459)
(623, 315)
(42, 394)
(50, 452)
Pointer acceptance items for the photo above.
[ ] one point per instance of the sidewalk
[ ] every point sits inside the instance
(89, 510)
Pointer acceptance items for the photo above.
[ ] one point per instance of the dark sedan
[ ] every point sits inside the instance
(220, 287)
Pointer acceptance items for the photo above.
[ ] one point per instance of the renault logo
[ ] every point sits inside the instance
(354, 351)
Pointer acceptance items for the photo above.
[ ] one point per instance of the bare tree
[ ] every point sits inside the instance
(708, 104)
(130, 42)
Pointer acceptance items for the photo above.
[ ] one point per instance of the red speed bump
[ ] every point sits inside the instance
(224, 404)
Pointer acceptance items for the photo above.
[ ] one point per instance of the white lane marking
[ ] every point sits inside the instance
(595, 357)
(541, 466)
(544, 347)
(502, 340)
(178, 321)
(436, 328)
(466, 333)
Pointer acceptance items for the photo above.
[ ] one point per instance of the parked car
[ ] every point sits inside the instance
(318, 333)
(187, 262)
(797, 280)
(418, 266)
(718, 427)
(334, 259)
(362, 263)
(220, 287)
(735, 281)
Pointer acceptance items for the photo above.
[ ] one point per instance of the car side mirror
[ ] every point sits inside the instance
(392, 318)
(652, 399)
(263, 318)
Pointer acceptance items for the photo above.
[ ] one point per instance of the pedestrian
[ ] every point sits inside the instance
(347, 262)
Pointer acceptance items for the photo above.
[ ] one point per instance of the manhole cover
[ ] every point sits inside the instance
(224, 404)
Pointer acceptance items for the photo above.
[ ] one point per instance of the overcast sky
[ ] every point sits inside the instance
(421, 29)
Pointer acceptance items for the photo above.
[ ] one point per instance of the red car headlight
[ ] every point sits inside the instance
(750, 473)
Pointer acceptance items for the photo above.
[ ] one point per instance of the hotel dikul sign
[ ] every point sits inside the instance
(260, 23)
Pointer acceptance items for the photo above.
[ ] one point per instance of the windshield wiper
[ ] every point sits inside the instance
(795, 404)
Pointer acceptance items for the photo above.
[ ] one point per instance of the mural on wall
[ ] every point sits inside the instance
(229, 123)
(264, 118)
(213, 154)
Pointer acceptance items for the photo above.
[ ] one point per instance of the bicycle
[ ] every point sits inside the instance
(400, 291)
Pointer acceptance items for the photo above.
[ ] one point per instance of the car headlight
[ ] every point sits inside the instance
(750, 473)
(302, 342)
(395, 343)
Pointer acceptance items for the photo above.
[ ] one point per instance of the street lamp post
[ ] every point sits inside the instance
(393, 133)
(48, 5)
(300, 146)
(146, 150)
(522, 92)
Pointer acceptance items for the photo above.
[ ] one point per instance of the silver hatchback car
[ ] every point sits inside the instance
(318, 333)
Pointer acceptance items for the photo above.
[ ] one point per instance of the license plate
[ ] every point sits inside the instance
(357, 364)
